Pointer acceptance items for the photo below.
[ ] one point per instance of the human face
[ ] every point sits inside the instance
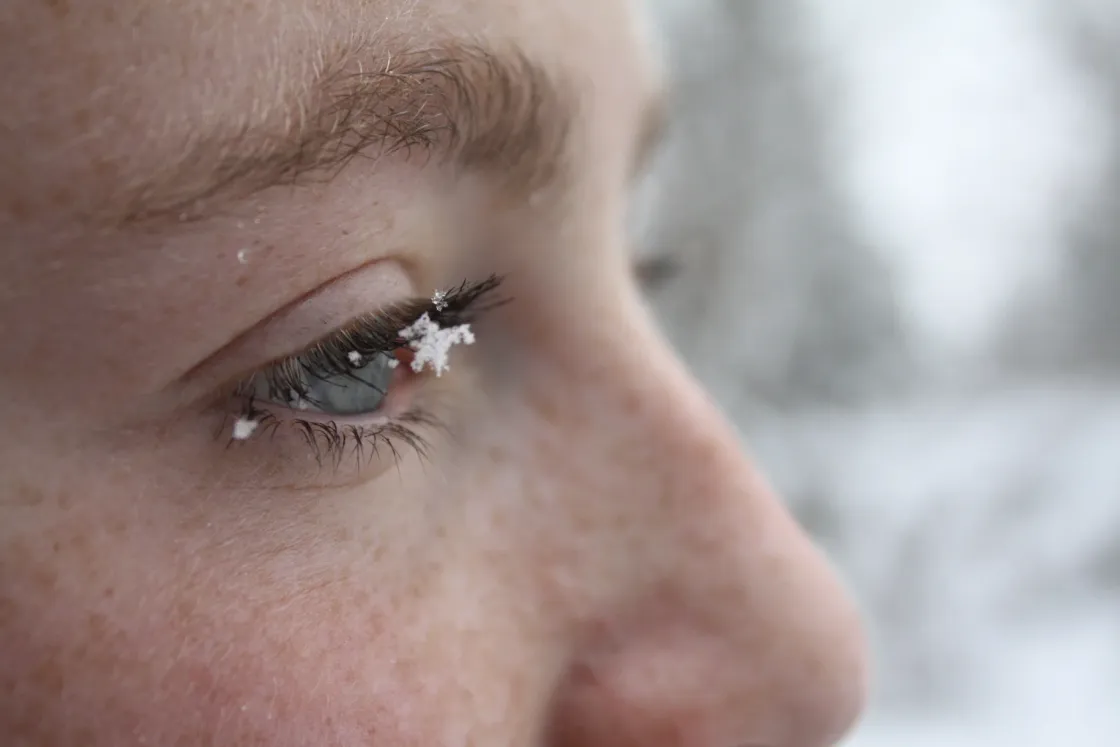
(558, 541)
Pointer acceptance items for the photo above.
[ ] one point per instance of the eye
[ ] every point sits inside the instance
(361, 386)
(360, 390)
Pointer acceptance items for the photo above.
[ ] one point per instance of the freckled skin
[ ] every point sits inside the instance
(589, 559)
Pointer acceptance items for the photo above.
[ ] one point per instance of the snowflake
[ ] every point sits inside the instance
(439, 300)
(244, 428)
(296, 401)
(355, 358)
(432, 344)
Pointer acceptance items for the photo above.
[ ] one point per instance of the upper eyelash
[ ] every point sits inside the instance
(372, 334)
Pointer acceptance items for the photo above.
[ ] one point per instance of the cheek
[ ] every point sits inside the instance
(123, 626)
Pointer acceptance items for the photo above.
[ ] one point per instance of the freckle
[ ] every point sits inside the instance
(78, 543)
(60, 7)
(184, 609)
(27, 496)
(48, 677)
(350, 679)
(98, 626)
(109, 592)
(242, 281)
(45, 579)
(19, 208)
(61, 196)
(104, 168)
(82, 118)
(547, 409)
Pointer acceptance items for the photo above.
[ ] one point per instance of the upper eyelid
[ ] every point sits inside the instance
(300, 324)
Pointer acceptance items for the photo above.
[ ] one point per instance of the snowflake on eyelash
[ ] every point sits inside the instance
(243, 428)
(297, 402)
(355, 358)
(432, 344)
(439, 300)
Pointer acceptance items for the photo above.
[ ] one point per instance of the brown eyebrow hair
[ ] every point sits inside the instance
(476, 108)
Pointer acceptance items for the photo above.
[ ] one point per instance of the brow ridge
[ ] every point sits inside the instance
(475, 108)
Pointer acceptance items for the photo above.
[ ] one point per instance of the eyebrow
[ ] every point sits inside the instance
(476, 108)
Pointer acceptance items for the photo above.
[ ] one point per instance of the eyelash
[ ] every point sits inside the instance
(372, 334)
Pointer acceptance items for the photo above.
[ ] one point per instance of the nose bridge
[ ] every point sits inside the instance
(649, 450)
(716, 617)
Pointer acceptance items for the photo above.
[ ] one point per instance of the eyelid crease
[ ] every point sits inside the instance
(348, 289)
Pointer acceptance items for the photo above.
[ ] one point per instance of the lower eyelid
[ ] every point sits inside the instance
(291, 452)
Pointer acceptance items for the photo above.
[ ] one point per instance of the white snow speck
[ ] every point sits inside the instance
(355, 357)
(433, 344)
(392, 363)
(295, 401)
(244, 428)
(439, 300)
(243, 256)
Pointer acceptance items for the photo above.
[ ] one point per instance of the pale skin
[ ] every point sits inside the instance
(583, 555)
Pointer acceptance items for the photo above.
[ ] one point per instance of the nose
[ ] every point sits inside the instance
(715, 621)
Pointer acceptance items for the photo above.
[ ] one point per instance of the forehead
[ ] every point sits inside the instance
(104, 89)
(231, 42)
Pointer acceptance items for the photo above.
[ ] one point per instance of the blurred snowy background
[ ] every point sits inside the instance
(887, 236)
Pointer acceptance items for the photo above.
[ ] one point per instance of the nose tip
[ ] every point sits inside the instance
(822, 689)
(713, 668)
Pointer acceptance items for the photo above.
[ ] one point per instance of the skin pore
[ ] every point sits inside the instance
(563, 545)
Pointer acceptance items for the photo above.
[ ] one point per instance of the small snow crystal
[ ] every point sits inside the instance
(392, 363)
(244, 428)
(243, 256)
(295, 401)
(355, 357)
(433, 344)
(439, 300)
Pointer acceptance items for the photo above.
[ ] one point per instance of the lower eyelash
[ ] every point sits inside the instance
(332, 442)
